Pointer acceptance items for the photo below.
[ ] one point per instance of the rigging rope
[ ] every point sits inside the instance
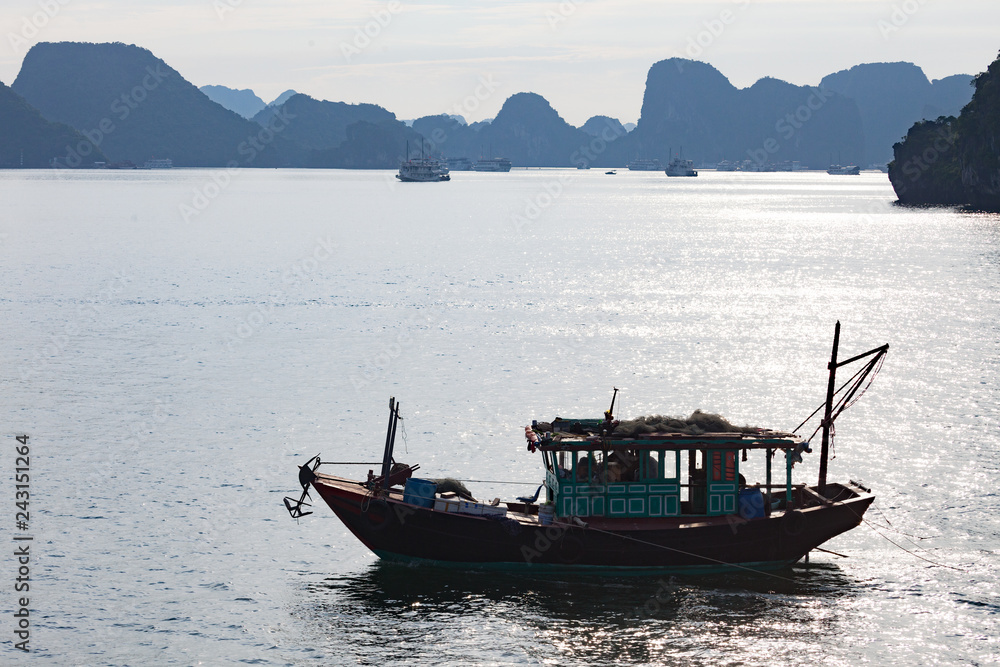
(854, 382)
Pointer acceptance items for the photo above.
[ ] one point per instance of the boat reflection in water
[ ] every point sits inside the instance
(568, 619)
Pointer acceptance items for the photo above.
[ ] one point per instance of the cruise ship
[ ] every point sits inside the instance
(680, 167)
(492, 164)
(644, 164)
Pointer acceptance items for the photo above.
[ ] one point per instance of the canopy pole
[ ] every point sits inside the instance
(827, 421)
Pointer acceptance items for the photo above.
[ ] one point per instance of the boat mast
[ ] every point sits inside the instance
(390, 441)
(828, 414)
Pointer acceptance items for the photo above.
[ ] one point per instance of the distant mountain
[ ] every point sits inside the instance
(28, 140)
(954, 161)
(597, 125)
(135, 106)
(282, 98)
(893, 96)
(449, 136)
(380, 145)
(320, 125)
(243, 102)
(690, 105)
(530, 133)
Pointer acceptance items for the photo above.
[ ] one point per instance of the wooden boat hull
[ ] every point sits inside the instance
(398, 531)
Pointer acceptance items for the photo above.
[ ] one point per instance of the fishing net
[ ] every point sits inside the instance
(698, 423)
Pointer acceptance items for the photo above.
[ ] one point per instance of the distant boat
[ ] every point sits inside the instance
(421, 170)
(644, 164)
(726, 165)
(680, 167)
(154, 163)
(492, 164)
(459, 164)
(610, 173)
(837, 170)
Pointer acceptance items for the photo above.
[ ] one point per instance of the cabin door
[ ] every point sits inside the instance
(723, 484)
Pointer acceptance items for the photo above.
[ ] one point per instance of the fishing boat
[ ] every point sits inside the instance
(662, 498)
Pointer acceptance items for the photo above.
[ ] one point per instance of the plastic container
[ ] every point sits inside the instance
(751, 504)
(546, 514)
(471, 508)
(419, 492)
(446, 505)
(489, 510)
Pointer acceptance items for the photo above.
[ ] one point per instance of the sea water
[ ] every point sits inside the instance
(176, 342)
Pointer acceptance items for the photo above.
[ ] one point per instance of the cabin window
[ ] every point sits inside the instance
(723, 466)
(670, 465)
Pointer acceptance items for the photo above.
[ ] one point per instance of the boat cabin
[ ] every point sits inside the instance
(589, 473)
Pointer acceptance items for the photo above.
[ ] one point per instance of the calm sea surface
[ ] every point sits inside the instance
(176, 342)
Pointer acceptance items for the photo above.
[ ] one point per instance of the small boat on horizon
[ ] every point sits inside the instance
(161, 163)
(646, 495)
(850, 170)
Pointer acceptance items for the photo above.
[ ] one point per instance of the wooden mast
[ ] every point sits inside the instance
(828, 414)
(390, 438)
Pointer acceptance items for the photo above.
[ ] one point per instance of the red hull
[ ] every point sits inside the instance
(399, 531)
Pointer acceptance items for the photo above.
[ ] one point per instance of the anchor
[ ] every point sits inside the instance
(307, 474)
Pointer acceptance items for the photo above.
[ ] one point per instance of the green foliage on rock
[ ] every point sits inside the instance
(954, 161)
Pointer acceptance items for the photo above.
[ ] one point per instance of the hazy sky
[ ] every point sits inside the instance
(586, 57)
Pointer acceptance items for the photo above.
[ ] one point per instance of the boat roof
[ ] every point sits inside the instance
(585, 435)
(673, 441)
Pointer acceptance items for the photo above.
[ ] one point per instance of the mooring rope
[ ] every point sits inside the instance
(493, 481)
(915, 555)
(688, 553)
